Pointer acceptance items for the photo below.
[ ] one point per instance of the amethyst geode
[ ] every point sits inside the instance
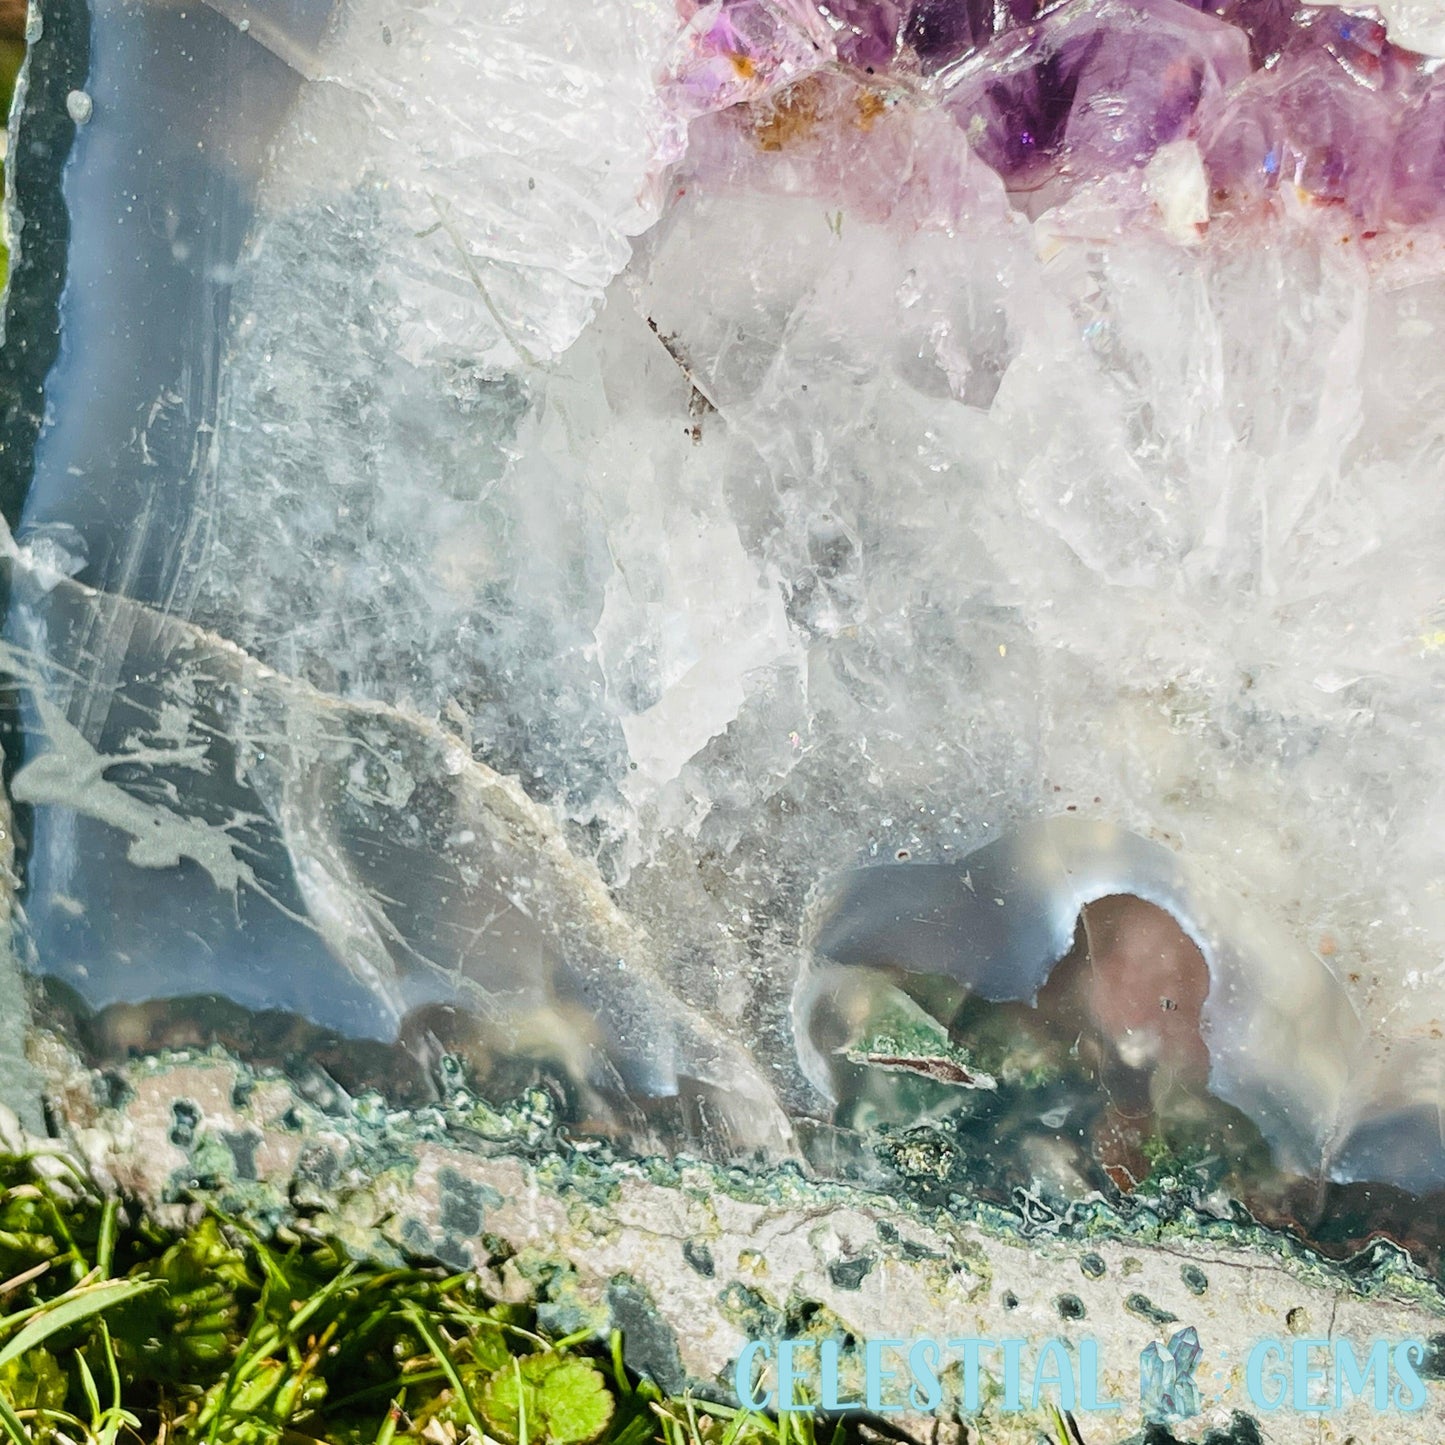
(653, 466)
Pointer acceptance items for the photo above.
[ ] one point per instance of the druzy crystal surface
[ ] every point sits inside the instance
(618, 475)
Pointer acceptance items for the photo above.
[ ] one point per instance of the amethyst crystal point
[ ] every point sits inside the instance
(867, 30)
(1353, 41)
(1417, 170)
(1267, 23)
(1093, 87)
(940, 31)
(1308, 125)
(733, 51)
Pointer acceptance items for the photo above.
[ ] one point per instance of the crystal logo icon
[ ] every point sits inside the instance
(1167, 1390)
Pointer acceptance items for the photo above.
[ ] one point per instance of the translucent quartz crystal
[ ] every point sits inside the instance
(502, 158)
(661, 463)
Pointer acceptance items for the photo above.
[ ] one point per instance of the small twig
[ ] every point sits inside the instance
(24, 1277)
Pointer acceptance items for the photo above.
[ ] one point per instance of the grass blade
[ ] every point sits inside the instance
(394, 1417)
(521, 1402)
(13, 1425)
(105, 1245)
(437, 1346)
(71, 1309)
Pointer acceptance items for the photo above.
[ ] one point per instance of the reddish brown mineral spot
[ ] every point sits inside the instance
(789, 118)
(1147, 982)
(870, 106)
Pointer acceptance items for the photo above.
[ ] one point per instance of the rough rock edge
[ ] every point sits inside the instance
(690, 1259)
(37, 227)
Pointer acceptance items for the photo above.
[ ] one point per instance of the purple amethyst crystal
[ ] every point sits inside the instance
(1308, 125)
(941, 31)
(1267, 23)
(1417, 170)
(733, 51)
(867, 31)
(1355, 42)
(1095, 87)
(1314, 106)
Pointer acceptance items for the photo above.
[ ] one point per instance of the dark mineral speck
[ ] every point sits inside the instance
(1433, 1365)
(319, 1165)
(649, 1345)
(185, 1116)
(1145, 1308)
(699, 1256)
(1241, 1430)
(243, 1152)
(850, 1273)
(462, 1204)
